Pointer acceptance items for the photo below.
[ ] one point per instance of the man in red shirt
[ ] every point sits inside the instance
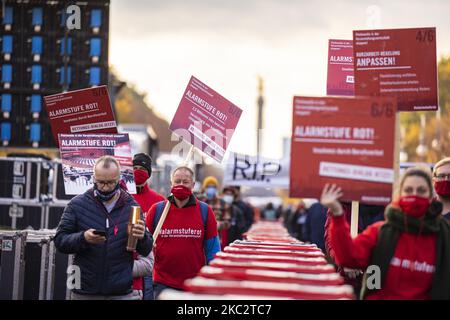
(188, 238)
(145, 197)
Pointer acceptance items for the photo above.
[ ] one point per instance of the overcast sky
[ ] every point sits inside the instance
(157, 45)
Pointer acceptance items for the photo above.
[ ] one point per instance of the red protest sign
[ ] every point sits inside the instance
(400, 63)
(80, 111)
(347, 141)
(340, 79)
(207, 118)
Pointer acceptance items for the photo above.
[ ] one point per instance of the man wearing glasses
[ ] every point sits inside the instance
(441, 179)
(94, 229)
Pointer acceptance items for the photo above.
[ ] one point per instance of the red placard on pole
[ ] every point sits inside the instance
(81, 111)
(400, 63)
(207, 118)
(347, 141)
(340, 78)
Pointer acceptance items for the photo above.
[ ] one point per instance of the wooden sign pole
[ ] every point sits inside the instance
(354, 219)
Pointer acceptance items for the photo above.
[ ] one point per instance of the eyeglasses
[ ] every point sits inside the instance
(106, 183)
(442, 176)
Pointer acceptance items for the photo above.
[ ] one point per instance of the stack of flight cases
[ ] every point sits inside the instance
(31, 267)
(22, 183)
(58, 198)
(32, 201)
(31, 193)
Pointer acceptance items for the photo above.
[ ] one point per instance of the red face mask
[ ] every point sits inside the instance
(140, 176)
(414, 206)
(181, 192)
(442, 188)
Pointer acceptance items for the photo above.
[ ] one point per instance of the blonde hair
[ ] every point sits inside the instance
(441, 163)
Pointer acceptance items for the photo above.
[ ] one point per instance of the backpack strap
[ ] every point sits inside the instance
(210, 246)
(204, 211)
(159, 209)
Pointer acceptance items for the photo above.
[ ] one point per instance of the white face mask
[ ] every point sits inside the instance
(228, 199)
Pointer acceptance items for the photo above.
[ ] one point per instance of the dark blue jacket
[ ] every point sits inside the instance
(315, 225)
(106, 269)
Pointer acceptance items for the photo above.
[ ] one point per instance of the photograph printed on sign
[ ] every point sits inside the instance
(79, 153)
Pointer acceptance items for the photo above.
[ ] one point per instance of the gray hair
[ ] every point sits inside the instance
(106, 162)
(186, 168)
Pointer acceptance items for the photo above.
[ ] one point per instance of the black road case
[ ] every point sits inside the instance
(21, 214)
(12, 269)
(24, 178)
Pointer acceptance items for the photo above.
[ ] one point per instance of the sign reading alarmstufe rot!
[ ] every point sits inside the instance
(340, 79)
(81, 111)
(206, 118)
(400, 63)
(79, 153)
(347, 141)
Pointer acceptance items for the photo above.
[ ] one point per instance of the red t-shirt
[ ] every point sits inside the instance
(179, 249)
(146, 198)
(410, 273)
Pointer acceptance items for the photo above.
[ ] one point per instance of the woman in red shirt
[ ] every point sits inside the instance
(409, 252)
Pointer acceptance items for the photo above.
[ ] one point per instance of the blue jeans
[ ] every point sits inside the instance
(159, 287)
(148, 288)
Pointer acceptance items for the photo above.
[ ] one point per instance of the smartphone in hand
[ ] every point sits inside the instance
(99, 233)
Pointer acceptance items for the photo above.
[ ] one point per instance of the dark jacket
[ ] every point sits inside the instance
(106, 269)
(237, 224)
(247, 211)
(315, 225)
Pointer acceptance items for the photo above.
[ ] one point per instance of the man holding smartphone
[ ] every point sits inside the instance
(94, 228)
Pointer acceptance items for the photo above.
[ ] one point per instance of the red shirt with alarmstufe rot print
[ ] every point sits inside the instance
(410, 273)
(179, 250)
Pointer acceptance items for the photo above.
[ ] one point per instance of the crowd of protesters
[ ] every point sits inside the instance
(409, 239)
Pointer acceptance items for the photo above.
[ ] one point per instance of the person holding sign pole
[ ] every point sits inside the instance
(441, 179)
(407, 256)
(188, 237)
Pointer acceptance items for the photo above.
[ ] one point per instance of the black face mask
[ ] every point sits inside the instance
(105, 196)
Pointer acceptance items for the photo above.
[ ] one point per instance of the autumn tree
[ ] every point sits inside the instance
(426, 135)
